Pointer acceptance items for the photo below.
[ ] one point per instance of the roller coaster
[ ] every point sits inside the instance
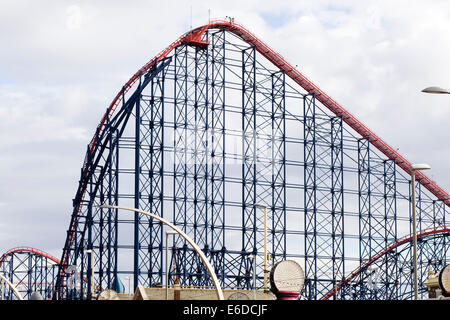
(215, 127)
(28, 270)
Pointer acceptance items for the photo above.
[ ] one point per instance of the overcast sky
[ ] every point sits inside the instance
(62, 62)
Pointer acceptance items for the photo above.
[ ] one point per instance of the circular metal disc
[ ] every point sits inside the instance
(108, 295)
(287, 275)
(444, 280)
(238, 296)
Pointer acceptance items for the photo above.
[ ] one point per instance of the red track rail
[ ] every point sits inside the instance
(194, 37)
(28, 249)
(392, 246)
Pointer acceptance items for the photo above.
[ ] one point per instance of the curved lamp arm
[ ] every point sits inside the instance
(188, 239)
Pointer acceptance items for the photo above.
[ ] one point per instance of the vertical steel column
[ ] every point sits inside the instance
(390, 201)
(137, 194)
(325, 226)
(102, 233)
(337, 199)
(108, 262)
(97, 240)
(11, 274)
(309, 122)
(278, 164)
(440, 248)
(184, 118)
(201, 106)
(36, 269)
(248, 163)
(420, 215)
(201, 151)
(390, 217)
(408, 279)
(29, 273)
(156, 174)
(149, 182)
(364, 187)
(87, 258)
(217, 168)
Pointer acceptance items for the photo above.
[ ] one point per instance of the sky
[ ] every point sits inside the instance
(62, 63)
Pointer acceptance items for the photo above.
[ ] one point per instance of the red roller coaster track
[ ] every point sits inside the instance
(28, 249)
(194, 37)
(392, 246)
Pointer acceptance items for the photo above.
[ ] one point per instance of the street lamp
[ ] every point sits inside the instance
(265, 247)
(436, 90)
(167, 261)
(414, 168)
(196, 248)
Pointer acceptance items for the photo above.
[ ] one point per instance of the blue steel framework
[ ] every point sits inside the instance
(29, 272)
(389, 276)
(209, 132)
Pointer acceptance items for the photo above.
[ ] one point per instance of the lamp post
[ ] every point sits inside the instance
(253, 258)
(414, 168)
(91, 253)
(167, 262)
(129, 286)
(266, 290)
(436, 90)
(196, 248)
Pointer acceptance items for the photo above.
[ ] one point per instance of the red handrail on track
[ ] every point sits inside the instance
(28, 249)
(390, 247)
(194, 37)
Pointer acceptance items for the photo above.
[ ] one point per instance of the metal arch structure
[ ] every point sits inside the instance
(29, 270)
(396, 256)
(215, 123)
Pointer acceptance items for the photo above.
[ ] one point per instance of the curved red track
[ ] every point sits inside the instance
(194, 37)
(392, 246)
(28, 249)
